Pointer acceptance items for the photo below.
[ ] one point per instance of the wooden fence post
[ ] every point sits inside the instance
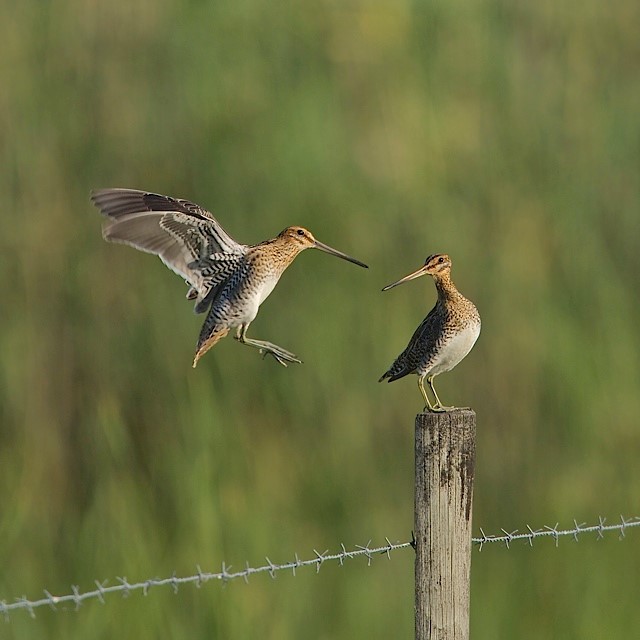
(445, 457)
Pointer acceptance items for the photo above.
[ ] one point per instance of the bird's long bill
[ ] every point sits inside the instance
(334, 252)
(412, 276)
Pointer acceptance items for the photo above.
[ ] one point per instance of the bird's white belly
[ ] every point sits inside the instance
(267, 287)
(258, 297)
(455, 350)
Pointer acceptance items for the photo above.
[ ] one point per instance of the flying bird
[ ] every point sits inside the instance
(227, 279)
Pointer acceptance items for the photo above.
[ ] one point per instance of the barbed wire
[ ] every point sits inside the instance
(553, 532)
(225, 575)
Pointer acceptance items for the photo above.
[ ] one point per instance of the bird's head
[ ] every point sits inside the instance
(299, 237)
(302, 239)
(436, 265)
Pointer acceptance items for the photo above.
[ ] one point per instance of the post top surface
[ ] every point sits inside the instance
(461, 411)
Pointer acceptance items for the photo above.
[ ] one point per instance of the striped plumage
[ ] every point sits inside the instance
(443, 338)
(229, 279)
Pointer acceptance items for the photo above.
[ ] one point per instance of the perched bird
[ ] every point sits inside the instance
(443, 338)
(228, 279)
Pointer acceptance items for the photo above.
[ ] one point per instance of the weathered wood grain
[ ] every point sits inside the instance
(445, 459)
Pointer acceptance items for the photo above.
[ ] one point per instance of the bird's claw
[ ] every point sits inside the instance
(277, 358)
(280, 356)
(442, 409)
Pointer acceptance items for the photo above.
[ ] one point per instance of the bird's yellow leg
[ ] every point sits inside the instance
(281, 355)
(428, 406)
(438, 406)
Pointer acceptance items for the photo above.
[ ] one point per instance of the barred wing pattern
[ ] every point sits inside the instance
(417, 351)
(186, 237)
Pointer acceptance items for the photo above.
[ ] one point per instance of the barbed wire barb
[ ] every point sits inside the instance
(101, 586)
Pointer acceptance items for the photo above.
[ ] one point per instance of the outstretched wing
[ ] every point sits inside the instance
(186, 237)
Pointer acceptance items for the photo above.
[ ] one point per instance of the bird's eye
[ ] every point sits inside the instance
(441, 259)
(300, 232)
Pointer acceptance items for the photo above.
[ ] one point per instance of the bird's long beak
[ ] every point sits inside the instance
(334, 252)
(412, 276)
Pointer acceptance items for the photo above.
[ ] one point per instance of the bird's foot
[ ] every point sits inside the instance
(442, 409)
(281, 355)
(267, 348)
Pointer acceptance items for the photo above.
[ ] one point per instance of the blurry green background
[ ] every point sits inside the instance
(504, 133)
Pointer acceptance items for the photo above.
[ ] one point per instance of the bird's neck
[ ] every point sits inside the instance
(278, 253)
(446, 289)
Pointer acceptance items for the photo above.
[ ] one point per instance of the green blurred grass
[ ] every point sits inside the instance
(504, 133)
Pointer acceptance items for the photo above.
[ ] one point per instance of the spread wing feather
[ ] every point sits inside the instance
(186, 237)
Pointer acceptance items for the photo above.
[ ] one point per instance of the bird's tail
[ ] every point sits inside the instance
(207, 341)
(399, 369)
